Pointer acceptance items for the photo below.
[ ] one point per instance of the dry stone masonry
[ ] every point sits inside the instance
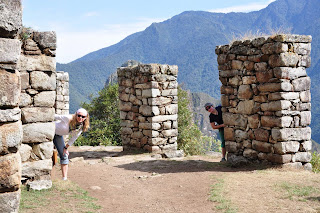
(266, 99)
(10, 114)
(149, 107)
(62, 93)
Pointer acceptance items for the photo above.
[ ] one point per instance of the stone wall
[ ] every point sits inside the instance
(62, 93)
(10, 114)
(266, 98)
(37, 66)
(149, 107)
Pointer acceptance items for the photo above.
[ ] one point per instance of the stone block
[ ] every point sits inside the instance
(9, 88)
(262, 135)
(254, 121)
(10, 137)
(62, 76)
(157, 141)
(262, 146)
(169, 92)
(126, 131)
(264, 76)
(275, 87)
(249, 80)
(45, 99)
(38, 185)
(10, 201)
(145, 110)
(289, 72)
(10, 50)
(276, 105)
(10, 18)
(273, 48)
(261, 67)
(229, 134)
(305, 96)
(246, 107)
(36, 169)
(304, 157)
(245, 92)
(304, 61)
(170, 132)
(46, 39)
(250, 153)
(292, 38)
(231, 146)
(10, 172)
(159, 101)
(43, 80)
(283, 96)
(33, 63)
(228, 73)
(303, 106)
(306, 146)
(226, 90)
(240, 135)
(305, 118)
(280, 159)
(302, 48)
(37, 114)
(38, 132)
(291, 134)
(125, 106)
(25, 152)
(9, 115)
(287, 59)
(162, 118)
(286, 147)
(231, 119)
(271, 121)
(43, 150)
(260, 98)
(171, 109)
(301, 84)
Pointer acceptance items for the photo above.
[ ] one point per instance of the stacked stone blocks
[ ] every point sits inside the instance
(266, 98)
(37, 68)
(10, 114)
(148, 96)
(62, 93)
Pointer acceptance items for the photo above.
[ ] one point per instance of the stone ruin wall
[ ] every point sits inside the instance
(266, 99)
(148, 96)
(31, 92)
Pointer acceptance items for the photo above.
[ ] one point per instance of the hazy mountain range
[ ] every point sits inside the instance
(189, 40)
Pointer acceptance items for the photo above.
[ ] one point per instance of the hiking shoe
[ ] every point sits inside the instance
(223, 159)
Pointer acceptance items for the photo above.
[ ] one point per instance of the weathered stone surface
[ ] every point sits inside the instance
(272, 48)
(39, 185)
(262, 135)
(228, 73)
(36, 169)
(157, 141)
(10, 172)
(271, 121)
(245, 92)
(286, 147)
(10, 50)
(276, 105)
(37, 114)
(264, 76)
(292, 38)
(145, 110)
(289, 72)
(9, 88)
(161, 118)
(159, 101)
(246, 107)
(226, 90)
(38, 132)
(43, 80)
(301, 84)
(231, 119)
(25, 152)
(283, 96)
(261, 146)
(286, 59)
(43, 150)
(9, 115)
(46, 39)
(171, 109)
(240, 135)
(291, 134)
(231, 146)
(10, 137)
(170, 132)
(169, 92)
(10, 18)
(304, 61)
(305, 146)
(174, 154)
(10, 201)
(249, 80)
(303, 157)
(250, 153)
(237, 161)
(45, 99)
(254, 121)
(229, 134)
(305, 119)
(33, 63)
(281, 159)
(275, 87)
(305, 96)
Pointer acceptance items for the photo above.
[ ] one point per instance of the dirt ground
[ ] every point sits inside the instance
(140, 183)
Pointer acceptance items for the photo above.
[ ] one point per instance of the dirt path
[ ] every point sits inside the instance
(134, 182)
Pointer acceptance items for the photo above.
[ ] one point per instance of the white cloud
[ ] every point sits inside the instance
(73, 45)
(243, 8)
(90, 14)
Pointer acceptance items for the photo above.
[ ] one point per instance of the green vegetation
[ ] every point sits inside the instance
(190, 138)
(64, 196)
(315, 162)
(297, 192)
(104, 119)
(217, 195)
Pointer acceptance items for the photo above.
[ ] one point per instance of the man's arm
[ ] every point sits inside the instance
(214, 126)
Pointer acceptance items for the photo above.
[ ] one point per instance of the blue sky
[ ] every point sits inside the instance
(84, 26)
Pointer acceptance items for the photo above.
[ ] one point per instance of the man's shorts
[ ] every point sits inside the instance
(221, 133)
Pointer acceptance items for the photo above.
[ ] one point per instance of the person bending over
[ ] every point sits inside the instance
(72, 125)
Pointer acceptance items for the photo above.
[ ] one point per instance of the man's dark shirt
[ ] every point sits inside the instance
(217, 118)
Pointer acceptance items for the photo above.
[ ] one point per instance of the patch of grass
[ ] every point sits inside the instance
(297, 192)
(64, 196)
(217, 195)
(315, 162)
